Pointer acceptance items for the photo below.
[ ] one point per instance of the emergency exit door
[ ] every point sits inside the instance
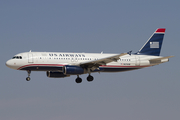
(137, 61)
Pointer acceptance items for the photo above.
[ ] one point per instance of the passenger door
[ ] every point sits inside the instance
(30, 58)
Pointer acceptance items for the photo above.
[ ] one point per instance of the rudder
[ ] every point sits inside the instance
(154, 43)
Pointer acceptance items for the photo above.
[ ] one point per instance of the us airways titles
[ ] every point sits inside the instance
(66, 55)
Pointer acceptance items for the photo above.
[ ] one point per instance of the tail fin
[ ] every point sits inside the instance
(153, 45)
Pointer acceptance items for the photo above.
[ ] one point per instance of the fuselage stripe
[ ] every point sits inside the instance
(61, 65)
(115, 66)
(46, 65)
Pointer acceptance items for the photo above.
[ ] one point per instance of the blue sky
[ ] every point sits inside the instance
(89, 26)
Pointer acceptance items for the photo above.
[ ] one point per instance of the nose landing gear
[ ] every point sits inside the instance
(28, 78)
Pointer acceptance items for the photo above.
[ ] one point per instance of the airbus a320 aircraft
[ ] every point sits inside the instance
(62, 64)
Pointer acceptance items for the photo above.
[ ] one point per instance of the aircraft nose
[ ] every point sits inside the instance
(9, 63)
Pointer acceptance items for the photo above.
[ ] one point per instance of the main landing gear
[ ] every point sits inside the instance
(28, 78)
(78, 79)
(89, 79)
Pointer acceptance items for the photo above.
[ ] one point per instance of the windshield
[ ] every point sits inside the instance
(17, 57)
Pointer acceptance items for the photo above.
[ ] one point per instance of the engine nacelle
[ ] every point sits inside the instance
(73, 70)
(56, 74)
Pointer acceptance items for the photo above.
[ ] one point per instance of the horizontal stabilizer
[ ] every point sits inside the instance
(160, 60)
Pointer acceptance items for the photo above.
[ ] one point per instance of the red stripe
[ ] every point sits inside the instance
(160, 30)
(123, 66)
(40, 65)
(115, 66)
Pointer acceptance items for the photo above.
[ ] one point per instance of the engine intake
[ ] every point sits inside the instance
(56, 74)
(73, 70)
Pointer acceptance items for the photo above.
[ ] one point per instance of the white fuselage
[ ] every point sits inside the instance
(62, 64)
(54, 61)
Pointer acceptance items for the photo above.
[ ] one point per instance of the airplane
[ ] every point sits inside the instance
(63, 64)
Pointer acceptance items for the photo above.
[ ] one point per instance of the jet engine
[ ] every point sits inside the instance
(73, 70)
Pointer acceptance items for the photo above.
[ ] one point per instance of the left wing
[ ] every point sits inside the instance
(96, 63)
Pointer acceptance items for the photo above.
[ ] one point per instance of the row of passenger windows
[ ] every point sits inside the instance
(17, 57)
(66, 58)
(20, 57)
(124, 59)
(79, 59)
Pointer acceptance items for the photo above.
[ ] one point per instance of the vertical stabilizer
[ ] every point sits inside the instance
(154, 44)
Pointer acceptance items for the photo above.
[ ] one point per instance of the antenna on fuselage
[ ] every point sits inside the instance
(30, 51)
(129, 52)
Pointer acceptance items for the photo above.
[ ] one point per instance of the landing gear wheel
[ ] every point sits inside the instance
(90, 78)
(78, 80)
(28, 78)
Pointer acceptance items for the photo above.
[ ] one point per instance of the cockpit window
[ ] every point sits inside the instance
(17, 57)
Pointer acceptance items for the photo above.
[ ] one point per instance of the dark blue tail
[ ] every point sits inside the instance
(154, 44)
